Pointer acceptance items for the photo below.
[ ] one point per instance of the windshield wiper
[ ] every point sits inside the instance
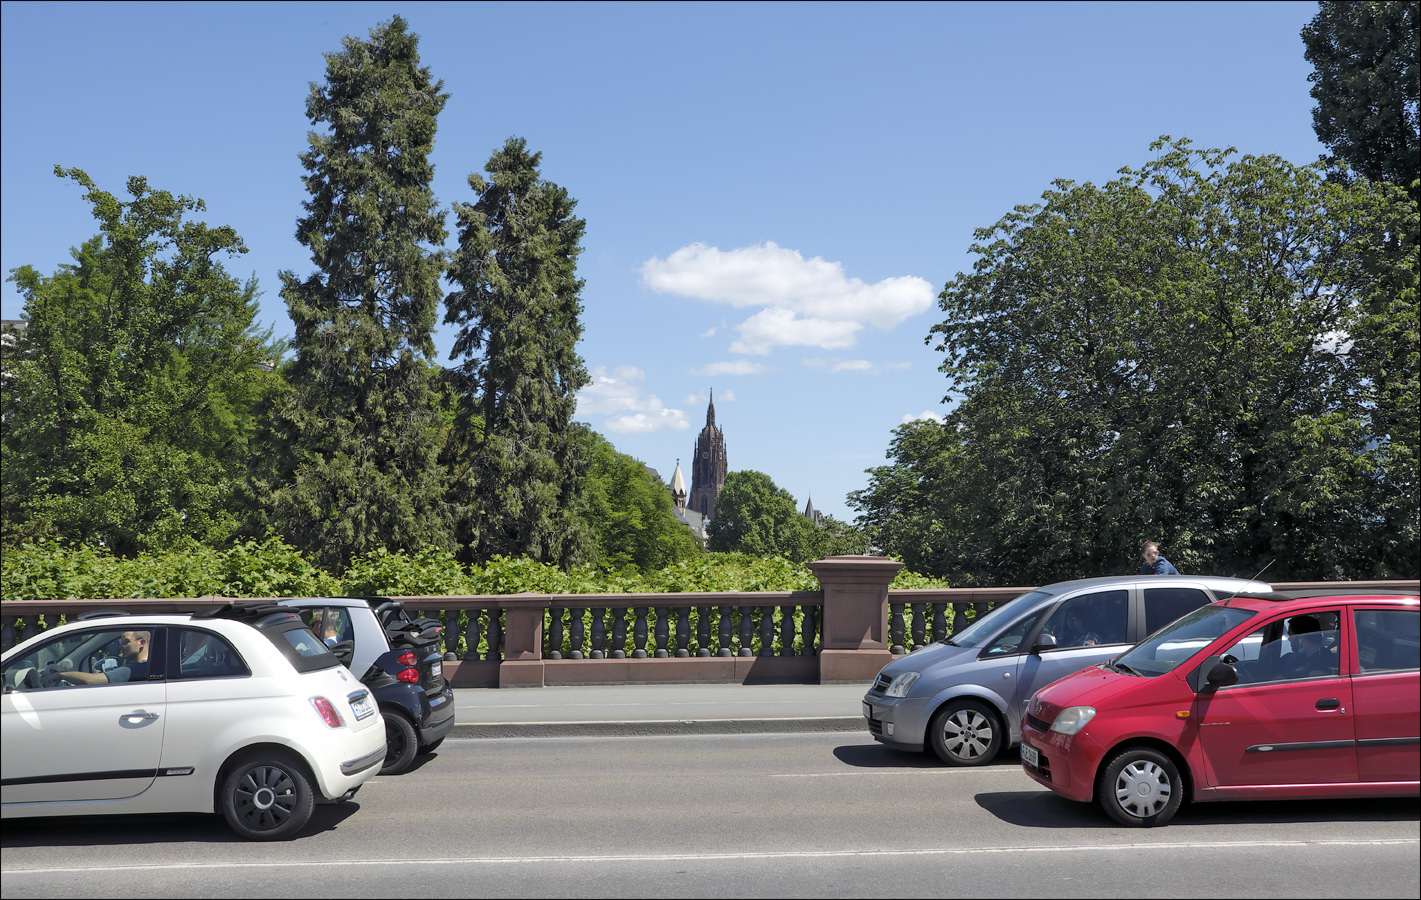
(1121, 667)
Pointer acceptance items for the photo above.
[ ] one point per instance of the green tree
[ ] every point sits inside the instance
(754, 516)
(355, 442)
(519, 462)
(1217, 354)
(630, 512)
(1367, 83)
(129, 397)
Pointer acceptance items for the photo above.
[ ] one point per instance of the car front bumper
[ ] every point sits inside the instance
(897, 722)
(1064, 763)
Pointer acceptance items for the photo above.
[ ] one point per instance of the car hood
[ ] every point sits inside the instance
(934, 661)
(1088, 687)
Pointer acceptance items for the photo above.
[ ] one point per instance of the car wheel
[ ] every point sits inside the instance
(966, 733)
(401, 744)
(431, 746)
(1141, 788)
(268, 797)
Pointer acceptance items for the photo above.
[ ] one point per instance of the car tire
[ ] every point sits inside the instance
(401, 743)
(1140, 788)
(966, 733)
(268, 796)
(431, 746)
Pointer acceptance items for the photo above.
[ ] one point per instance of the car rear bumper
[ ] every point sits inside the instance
(440, 720)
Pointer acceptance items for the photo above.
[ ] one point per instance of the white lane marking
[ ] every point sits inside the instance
(719, 857)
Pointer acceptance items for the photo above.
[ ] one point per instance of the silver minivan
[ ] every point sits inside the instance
(964, 696)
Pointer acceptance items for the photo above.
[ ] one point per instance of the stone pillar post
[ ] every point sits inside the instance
(854, 645)
(522, 664)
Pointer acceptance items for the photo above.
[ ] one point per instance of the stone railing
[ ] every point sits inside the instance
(845, 632)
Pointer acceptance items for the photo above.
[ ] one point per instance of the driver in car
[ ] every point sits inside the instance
(133, 647)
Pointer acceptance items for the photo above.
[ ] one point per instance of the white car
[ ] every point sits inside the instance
(239, 710)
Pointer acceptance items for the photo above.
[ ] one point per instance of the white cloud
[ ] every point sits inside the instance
(620, 396)
(732, 367)
(804, 302)
(835, 364)
(925, 414)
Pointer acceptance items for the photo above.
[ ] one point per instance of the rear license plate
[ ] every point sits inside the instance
(1029, 755)
(362, 705)
(436, 669)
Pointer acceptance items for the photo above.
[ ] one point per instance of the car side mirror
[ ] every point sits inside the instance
(1044, 641)
(1221, 675)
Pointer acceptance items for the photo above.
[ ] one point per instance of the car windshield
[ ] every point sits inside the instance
(982, 630)
(1166, 649)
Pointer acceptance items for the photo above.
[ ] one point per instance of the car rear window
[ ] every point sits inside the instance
(300, 646)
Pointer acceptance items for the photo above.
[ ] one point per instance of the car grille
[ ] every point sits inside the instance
(881, 685)
(875, 726)
(1040, 724)
(1044, 770)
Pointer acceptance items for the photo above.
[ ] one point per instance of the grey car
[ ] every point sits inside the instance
(964, 697)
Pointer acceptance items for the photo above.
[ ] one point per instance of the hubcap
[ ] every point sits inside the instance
(1142, 788)
(967, 734)
(265, 797)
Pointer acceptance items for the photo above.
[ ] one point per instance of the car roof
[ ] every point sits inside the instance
(1263, 601)
(1061, 587)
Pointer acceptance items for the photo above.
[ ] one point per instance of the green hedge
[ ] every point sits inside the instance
(274, 569)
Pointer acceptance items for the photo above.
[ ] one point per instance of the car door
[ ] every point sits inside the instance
(1277, 725)
(80, 742)
(1386, 693)
(1089, 629)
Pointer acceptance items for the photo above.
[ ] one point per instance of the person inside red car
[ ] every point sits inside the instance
(1310, 658)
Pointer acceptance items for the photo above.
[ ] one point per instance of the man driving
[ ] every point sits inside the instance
(133, 647)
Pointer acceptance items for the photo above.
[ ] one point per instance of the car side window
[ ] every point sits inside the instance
(331, 624)
(1090, 620)
(202, 654)
(1298, 647)
(1164, 605)
(1010, 640)
(90, 658)
(1388, 640)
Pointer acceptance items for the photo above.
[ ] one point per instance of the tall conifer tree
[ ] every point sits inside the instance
(519, 460)
(358, 435)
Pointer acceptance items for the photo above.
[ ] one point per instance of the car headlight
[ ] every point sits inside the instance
(899, 686)
(1073, 719)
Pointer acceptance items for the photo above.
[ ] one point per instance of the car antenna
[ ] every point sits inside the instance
(1255, 575)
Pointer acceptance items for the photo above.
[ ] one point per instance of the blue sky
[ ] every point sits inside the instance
(774, 194)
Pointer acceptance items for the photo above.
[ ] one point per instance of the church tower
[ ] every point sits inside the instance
(708, 466)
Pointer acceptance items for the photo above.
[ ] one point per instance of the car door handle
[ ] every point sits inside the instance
(1329, 703)
(128, 717)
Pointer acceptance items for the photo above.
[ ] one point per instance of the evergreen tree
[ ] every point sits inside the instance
(519, 463)
(129, 399)
(358, 435)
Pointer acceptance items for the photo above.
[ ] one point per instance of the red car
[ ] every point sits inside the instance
(1263, 696)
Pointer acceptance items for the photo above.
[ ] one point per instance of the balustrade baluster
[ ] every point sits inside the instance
(767, 631)
(663, 632)
(7, 632)
(472, 634)
(959, 618)
(703, 630)
(639, 633)
(725, 633)
(579, 630)
(555, 634)
(939, 622)
(920, 619)
(451, 634)
(683, 632)
(895, 628)
(31, 627)
(809, 630)
(599, 633)
(495, 635)
(747, 631)
(786, 631)
(619, 633)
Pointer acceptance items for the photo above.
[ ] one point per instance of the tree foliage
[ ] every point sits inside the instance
(355, 442)
(519, 462)
(756, 517)
(130, 395)
(630, 513)
(1218, 354)
(1367, 83)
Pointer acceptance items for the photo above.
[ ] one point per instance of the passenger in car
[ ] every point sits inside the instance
(133, 647)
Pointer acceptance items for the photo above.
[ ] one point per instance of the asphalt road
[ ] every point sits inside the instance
(793, 815)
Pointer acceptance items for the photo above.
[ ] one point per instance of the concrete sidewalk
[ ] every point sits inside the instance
(651, 709)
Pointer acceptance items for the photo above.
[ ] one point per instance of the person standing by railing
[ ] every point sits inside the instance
(1154, 564)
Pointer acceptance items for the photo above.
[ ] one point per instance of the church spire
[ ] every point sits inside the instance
(710, 410)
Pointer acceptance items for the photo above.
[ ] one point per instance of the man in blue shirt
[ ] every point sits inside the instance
(1154, 564)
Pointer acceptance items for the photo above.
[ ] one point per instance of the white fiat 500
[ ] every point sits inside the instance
(239, 710)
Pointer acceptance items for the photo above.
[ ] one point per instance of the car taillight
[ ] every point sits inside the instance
(409, 675)
(327, 711)
(408, 659)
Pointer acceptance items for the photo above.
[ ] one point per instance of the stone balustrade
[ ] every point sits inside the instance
(845, 632)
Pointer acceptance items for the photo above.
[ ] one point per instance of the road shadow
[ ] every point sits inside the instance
(877, 756)
(1043, 809)
(155, 828)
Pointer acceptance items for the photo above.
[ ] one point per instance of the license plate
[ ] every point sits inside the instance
(362, 706)
(436, 669)
(867, 711)
(1029, 755)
